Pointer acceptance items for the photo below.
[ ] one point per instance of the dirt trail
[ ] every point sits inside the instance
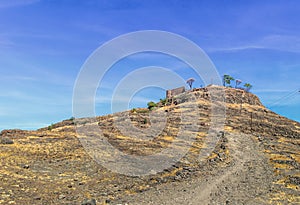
(246, 180)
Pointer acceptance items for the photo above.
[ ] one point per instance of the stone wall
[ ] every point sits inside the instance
(174, 92)
(228, 95)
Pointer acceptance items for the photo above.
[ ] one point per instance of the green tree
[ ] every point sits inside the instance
(151, 105)
(247, 86)
(227, 80)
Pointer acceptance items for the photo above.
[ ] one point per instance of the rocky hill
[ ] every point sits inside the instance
(255, 158)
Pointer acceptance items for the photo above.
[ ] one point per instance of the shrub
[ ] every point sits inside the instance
(50, 127)
(163, 101)
(142, 110)
(151, 105)
(145, 121)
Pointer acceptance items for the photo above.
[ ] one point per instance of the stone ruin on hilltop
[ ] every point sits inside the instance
(232, 95)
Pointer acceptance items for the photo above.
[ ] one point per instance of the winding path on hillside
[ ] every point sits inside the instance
(248, 179)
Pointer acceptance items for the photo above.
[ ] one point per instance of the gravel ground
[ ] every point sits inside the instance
(246, 180)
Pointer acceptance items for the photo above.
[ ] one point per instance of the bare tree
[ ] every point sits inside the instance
(237, 82)
(190, 82)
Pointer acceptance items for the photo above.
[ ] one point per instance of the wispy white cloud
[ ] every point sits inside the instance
(297, 65)
(282, 42)
(101, 29)
(31, 125)
(13, 94)
(237, 48)
(292, 100)
(122, 99)
(271, 90)
(6, 42)
(14, 3)
(279, 97)
(24, 126)
(18, 78)
(286, 43)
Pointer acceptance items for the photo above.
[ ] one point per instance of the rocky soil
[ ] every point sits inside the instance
(256, 159)
(246, 179)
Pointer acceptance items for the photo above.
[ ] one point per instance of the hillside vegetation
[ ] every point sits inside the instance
(256, 159)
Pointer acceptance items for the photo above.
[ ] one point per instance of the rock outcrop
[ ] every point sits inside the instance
(255, 160)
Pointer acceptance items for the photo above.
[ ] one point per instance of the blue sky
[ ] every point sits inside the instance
(44, 43)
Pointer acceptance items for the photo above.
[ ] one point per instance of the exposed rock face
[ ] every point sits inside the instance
(237, 96)
(255, 161)
(89, 202)
(228, 95)
(15, 133)
(6, 140)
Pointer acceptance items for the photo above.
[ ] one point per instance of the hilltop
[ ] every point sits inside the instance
(256, 158)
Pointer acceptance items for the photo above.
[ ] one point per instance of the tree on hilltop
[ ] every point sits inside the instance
(247, 86)
(237, 82)
(227, 80)
(190, 82)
